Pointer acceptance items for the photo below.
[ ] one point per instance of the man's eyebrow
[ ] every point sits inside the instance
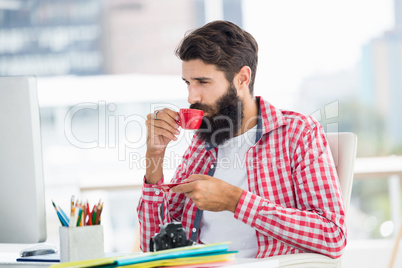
(198, 78)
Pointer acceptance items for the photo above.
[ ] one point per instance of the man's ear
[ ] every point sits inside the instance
(242, 78)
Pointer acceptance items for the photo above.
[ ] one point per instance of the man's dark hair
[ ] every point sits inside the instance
(223, 44)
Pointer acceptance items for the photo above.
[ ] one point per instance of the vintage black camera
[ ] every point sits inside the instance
(171, 235)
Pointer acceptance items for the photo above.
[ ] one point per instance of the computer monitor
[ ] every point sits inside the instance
(22, 195)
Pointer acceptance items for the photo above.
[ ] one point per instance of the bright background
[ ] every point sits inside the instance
(102, 66)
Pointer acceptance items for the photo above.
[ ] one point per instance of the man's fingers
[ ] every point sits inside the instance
(184, 188)
(161, 122)
(190, 184)
(196, 177)
(157, 131)
(164, 125)
(167, 115)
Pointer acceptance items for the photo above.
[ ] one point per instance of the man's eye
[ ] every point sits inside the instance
(203, 82)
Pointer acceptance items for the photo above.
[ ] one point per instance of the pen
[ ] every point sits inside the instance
(61, 219)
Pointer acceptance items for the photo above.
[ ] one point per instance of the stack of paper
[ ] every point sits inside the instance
(191, 256)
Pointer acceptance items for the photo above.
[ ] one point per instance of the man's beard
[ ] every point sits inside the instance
(224, 119)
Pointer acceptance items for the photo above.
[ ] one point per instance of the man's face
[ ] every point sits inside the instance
(210, 91)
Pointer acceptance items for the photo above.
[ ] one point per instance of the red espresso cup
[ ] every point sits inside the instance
(190, 118)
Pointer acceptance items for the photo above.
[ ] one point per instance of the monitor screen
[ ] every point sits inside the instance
(22, 196)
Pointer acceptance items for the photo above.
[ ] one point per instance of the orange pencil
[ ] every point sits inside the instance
(72, 212)
(83, 214)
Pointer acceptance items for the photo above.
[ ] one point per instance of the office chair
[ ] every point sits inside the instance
(343, 147)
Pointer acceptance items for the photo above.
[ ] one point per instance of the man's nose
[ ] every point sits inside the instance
(194, 95)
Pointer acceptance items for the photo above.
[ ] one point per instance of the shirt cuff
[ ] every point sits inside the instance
(151, 194)
(248, 207)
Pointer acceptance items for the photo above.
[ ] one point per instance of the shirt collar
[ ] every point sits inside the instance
(269, 117)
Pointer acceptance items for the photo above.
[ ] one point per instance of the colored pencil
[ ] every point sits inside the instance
(98, 212)
(93, 215)
(61, 219)
(79, 216)
(64, 215)
(84, 215)
(72, 212)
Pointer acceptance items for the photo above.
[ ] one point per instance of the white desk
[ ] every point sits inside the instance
(8, 260)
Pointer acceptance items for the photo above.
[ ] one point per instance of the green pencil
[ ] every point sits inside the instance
(94, 215)
(79, 217)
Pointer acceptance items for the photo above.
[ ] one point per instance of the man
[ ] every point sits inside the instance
(259, 177)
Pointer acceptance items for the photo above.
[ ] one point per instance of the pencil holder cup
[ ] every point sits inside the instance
(81, 243)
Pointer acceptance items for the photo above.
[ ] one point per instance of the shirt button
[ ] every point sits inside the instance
(194, 230)
(157, 192)
(212, 166)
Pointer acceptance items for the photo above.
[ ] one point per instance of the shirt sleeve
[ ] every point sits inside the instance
(317, 223)
(156, 208)
(149, 213)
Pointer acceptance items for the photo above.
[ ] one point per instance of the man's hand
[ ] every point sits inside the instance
(210, 193)
(160, 131)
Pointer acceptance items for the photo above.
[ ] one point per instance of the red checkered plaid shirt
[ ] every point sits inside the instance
(294, 200)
